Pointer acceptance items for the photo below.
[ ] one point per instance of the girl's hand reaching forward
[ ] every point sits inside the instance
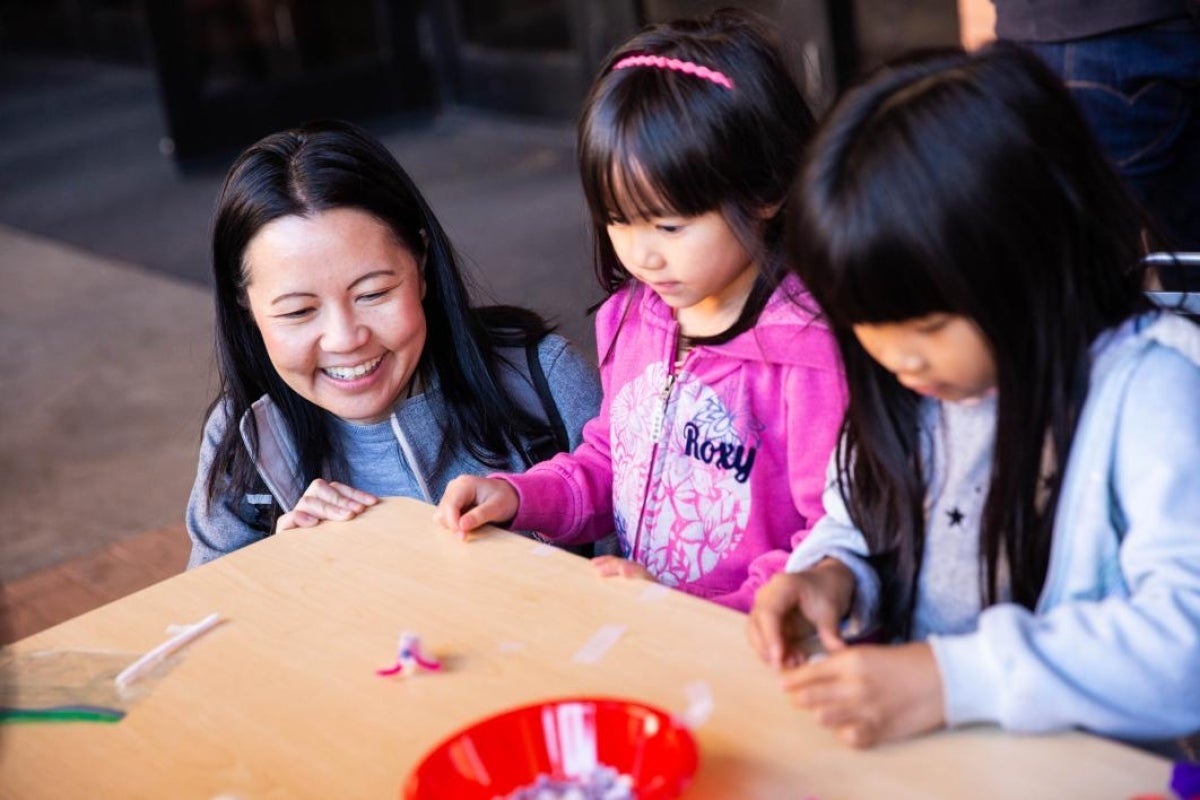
(613, 566)
(470, 501)
(793, 606)
(870, 694)
(325, 500)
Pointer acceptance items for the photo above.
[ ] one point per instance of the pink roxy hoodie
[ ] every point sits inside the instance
(710, 474)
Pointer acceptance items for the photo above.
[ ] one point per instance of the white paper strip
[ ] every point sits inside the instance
(654, 591)
(599, 644)
(700, 704)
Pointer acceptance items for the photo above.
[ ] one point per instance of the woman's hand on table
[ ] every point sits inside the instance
(325, 500)
(615, 567)
(470, 501)
(794, 607)
(870, 694)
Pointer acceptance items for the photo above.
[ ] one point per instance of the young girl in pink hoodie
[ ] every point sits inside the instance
(723, 392)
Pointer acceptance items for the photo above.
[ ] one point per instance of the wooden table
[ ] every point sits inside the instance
(283, 701)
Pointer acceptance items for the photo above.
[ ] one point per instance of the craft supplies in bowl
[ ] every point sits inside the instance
(581, 747)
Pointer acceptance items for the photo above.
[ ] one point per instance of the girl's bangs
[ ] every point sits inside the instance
(644, 166)
(890, 251)
(883, 276)
(625, 193)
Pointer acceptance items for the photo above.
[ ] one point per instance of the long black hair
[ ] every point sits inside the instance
(328, 165)
(970, 185)
(655, 141)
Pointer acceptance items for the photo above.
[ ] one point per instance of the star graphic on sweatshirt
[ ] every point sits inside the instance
(956, 516)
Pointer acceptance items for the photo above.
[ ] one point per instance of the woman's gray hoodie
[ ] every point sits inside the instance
(229, 522)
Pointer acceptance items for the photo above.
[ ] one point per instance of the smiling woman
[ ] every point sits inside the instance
(352, 365)
(337, 300)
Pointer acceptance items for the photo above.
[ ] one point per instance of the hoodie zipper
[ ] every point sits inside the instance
(660, 413)
(656, 431)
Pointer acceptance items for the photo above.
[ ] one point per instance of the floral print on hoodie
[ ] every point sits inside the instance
(712, 472)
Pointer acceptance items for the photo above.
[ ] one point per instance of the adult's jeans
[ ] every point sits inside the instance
(1140, 90)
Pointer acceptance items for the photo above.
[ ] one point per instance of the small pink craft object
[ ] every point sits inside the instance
(409, 658)
(676, 65)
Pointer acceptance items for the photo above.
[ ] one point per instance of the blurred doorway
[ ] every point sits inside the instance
(526, 56)
(539, 56)
(233, 70)
(816, 35)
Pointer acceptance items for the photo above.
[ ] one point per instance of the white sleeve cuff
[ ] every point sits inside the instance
(972, 683)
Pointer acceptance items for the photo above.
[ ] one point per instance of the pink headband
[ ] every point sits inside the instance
(674, 64)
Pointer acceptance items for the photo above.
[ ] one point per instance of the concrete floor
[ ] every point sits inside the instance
(106, 376)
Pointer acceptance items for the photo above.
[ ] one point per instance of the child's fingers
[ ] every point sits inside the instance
(824, 619)
(808, 675)
(766, 636)
(459, 494)
(495, 502)
(446, 516)
(774, 619)
(792, 660)
(470, 502)
(472, 519)
(759, 641)
(479, 516)
(630, 570)
(777, 642)
(859, 734)
(614, 567)
(833, 712)
(828, 702)
(830, 636)
(606, 566)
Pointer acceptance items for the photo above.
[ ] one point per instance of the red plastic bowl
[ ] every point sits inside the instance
(564, 739)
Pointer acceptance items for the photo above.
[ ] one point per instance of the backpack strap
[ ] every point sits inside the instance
(258, 509)
(562, 442)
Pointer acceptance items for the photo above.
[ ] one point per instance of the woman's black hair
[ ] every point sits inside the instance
(330, 165)
(655, 141)
(969, 185)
